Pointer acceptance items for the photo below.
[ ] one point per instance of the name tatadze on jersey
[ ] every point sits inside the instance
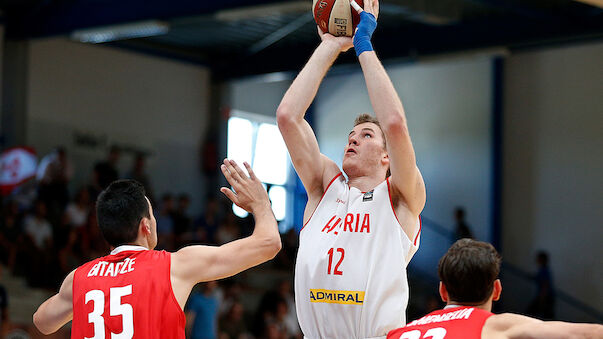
(127, 294)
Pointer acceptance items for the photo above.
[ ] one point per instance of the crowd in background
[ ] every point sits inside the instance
(46, 232)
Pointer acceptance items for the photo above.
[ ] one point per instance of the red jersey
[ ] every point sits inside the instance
(127, 294)
(450, 323)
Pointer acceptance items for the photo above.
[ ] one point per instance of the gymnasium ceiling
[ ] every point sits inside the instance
(244, 37)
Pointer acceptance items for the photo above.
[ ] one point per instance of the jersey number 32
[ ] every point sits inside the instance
(434, 333)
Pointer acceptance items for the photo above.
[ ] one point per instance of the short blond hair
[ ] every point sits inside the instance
(364, 117)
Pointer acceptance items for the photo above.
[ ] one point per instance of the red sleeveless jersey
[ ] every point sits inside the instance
(451, 323)
(127, 294)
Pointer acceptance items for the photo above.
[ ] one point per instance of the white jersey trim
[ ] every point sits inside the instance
(123, 248)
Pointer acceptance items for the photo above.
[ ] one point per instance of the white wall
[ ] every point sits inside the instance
(260, 95)
(553, 168)
(117, 96)
(448, 105)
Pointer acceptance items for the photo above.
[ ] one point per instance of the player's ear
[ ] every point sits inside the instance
(443, 292)
(385, 159)
(145, 225)
(496, 290)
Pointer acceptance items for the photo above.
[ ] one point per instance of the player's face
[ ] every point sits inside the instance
(153, 241)
(364, 150)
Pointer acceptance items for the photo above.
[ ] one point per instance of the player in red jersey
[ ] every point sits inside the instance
(136, 292)
(468, 274)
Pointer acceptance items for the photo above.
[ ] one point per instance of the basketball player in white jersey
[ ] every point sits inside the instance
(361, 232)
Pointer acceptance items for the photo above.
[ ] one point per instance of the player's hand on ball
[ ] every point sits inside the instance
(247, 191)
(370, 6)
(344, 43)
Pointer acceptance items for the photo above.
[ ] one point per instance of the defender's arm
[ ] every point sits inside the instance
(57, 310)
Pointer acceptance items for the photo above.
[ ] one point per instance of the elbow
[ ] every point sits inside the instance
(272, 246)
(395, 124)
(284, 116)
(39, 323)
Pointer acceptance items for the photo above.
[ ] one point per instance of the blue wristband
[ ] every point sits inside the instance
(362, 38)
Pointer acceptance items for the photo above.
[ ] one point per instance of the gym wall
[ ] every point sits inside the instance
(553, 168)
(111, 96)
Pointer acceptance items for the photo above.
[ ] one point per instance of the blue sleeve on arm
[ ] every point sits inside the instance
(362, 38)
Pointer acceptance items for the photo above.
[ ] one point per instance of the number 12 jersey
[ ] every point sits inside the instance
(350, 273)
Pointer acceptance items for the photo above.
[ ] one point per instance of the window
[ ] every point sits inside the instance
(257, 140)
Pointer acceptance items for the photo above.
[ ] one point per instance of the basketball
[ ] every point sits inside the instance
(336, 17)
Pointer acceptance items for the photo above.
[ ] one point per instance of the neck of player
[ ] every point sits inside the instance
(365, 183)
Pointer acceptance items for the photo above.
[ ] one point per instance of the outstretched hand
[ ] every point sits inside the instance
(343, 42)
(247, 191)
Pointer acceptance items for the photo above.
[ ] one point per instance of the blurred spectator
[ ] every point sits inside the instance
(165, 224)
(10, 233)
(207, 224)
(231, 294)
(229, 230)
(38, 228)
(202, 312)
(138, 173)
(54, 173)
(38, 245)
(77, 211)
(70, 256)
(95, 245)
(285, 259)
(543, 305)
(182, 221)
(3, 308)
(270, 317)
(106, 171)
(290, 320)
(462, 230)
(232, 325)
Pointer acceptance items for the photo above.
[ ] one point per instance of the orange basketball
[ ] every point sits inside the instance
(336, 16)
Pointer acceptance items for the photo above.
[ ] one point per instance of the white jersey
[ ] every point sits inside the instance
(350, 273)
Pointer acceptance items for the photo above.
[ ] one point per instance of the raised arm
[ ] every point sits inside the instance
(405, 176)
(193, 264)
(312, 167)
(57, 310)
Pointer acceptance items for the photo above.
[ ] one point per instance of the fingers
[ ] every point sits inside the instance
(356, 6)
(370, 6)
(230, 195)
(250, 170)
(230, 172)
(239, 171)
(228, 175)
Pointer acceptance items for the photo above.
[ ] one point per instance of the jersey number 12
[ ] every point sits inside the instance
(336, 270)
(115, 308)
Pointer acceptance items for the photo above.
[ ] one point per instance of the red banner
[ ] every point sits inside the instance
(17, 165)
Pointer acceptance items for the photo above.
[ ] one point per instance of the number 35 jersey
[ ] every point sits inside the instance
(350, 273)
(127, 294)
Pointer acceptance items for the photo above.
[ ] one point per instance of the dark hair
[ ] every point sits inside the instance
(361, 119)
(119, 209)
(468, 270)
